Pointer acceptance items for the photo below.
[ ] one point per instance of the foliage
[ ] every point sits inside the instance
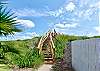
(96, 37)
(4, 67)
(7, 22)
(60, 42)
(30, 59)
(7, 26)
(28, 53)
(5, 49)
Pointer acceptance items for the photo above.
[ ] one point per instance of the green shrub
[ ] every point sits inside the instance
(5, 49)
(30, 59)
(60, 44)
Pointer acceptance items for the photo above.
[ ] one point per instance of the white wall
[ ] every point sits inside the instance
(86, 55)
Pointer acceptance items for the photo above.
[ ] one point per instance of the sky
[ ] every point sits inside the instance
(72, 17)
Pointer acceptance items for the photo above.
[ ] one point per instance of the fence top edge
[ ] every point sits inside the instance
(86, 40)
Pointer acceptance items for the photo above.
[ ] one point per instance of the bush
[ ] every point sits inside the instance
(30, 59)
(5, 49)
(60, 44)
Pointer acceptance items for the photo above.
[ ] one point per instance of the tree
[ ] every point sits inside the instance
(7, 22)
(7, 26)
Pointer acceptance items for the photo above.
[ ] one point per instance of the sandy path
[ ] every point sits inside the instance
(45, 67)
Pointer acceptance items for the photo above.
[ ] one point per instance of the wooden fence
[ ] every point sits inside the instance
(86, 55)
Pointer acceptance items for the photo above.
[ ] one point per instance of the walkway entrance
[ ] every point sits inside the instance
(46, 46)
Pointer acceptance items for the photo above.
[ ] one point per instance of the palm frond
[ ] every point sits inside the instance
(7, 22)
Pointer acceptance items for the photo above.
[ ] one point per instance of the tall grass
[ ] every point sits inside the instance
(31, 59)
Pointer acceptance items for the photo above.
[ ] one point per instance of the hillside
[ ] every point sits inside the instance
(23, 53)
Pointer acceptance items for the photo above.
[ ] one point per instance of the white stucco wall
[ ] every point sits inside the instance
(86, 55)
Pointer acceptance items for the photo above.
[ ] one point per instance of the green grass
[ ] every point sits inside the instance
(4, 67)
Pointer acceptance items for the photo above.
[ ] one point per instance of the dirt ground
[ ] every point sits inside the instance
(45, 67)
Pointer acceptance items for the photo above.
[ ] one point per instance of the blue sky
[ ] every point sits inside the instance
(73, 17)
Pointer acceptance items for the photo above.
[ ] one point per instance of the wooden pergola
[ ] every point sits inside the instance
(46, 46)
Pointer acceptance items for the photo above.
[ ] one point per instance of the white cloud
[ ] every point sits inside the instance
(97, 4)
(29, 12)
(56, 13)
(26, 35)
(83, 2)
(83, 11)
(86, 14)
(32, 34)
(91, 34)
(90, 10)
(65, 26)
(19, 36)
(26, 23)
(98, 30)
(70, 6)
(98, 27)
(60, 11)
(36, 13)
